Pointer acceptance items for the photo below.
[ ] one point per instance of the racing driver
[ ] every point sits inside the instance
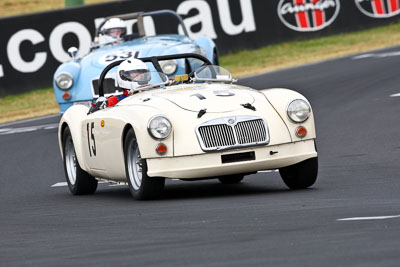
(112, 30)
(132, 74)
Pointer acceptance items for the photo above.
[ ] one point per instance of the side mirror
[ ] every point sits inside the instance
(73, 52)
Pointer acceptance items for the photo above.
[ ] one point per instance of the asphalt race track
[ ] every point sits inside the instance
(350, 217)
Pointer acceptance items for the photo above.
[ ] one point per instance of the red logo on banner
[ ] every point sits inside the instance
(308, 15)
(379, 8)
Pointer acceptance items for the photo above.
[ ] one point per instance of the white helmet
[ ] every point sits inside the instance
(133, 73)
(112, 30)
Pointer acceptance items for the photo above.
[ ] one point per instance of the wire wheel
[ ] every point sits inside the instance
(70, 160)
(79, 181)
(140, 184)
(134, 165)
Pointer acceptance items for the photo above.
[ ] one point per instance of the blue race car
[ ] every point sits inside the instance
(76, 81)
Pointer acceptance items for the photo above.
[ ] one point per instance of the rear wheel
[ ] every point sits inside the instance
(300, 175)
(231, 179)
(141, 185)
(79, 182)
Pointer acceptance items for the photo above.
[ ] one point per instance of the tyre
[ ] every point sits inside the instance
(300, 175)
(79, 182)
(140, 184)
(231, 179)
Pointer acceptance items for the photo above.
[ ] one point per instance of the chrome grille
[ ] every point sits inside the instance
(232, 132)
(219, 135)
(250, 131)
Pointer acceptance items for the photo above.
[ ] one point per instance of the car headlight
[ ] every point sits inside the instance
(64, 81)
(169, 66)
(159, 127)
(298, 110)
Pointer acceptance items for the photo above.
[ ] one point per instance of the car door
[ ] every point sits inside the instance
(92, 142)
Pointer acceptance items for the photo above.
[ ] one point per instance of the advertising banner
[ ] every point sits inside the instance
(33, 46)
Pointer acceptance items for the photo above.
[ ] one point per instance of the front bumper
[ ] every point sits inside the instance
(211, 164)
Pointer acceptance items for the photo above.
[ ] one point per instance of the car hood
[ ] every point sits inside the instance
(214, 98)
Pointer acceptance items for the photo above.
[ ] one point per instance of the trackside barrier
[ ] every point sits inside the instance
(33, 46)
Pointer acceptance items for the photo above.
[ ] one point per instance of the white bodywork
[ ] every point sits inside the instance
(185, 158)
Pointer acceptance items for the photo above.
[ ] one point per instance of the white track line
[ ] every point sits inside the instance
(395, 95)
(363, 56)
(29, 120)
(270, 171)
(60, 184)
(378, 55)
(117, 185)
(5, 131)
(369, 218)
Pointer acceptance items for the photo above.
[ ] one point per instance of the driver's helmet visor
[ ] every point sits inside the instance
(115, 32)
(141, 76)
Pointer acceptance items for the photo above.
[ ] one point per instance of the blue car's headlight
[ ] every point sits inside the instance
(169, 66)
(64, 80)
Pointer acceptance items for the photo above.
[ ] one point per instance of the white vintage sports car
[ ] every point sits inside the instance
(199, 125)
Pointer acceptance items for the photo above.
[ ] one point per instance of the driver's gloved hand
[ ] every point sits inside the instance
(99, 105)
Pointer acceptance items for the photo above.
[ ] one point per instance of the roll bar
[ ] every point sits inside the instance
(155, 61)
(139, 17)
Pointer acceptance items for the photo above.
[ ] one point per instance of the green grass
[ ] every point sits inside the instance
(18, 7)
(246, 62)
(32, 104)
(300, 52)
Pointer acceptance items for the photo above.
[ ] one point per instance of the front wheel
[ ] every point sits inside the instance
(140, 184)
(300, 175)
(79, 182)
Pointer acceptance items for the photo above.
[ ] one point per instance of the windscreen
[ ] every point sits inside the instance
(213, 73)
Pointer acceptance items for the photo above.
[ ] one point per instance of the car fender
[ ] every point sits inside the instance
(207, 46)
(280, 98)
(116, 121)
(147, 144)
(181, 69)
(71, 67)
(73, 118)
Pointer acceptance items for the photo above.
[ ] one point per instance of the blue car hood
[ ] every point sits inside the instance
(143, 47)
(87, 70)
